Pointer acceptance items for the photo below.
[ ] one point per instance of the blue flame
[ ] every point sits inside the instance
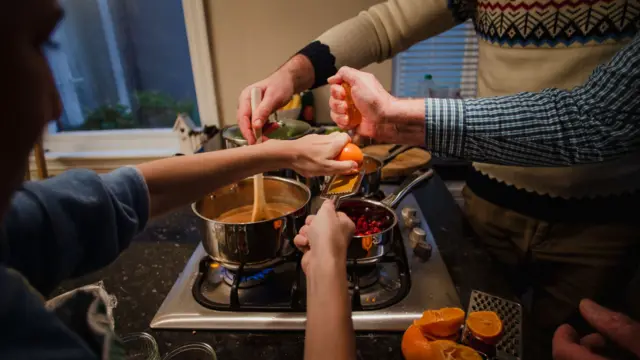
(260, 275)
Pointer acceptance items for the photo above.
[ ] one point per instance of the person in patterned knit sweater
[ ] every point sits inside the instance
(565, 231)
(598, 121)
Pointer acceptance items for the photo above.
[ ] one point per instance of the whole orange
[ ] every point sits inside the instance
(351, 152)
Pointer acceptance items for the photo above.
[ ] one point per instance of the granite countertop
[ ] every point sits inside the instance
(143, 275)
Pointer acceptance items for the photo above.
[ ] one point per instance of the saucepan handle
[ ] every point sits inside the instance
(407, 186)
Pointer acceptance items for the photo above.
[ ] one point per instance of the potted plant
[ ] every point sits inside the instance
(109, 117)
(160, 110)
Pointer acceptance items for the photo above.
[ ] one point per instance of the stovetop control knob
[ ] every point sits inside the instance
(421, 248)
(409, 212)
(410, 217)
(418, 235)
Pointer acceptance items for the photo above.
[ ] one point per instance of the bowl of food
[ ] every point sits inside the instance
(292, 109)
(330, 129)
(288, 129)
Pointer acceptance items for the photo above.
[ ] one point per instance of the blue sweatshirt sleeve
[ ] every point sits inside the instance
(73, 223)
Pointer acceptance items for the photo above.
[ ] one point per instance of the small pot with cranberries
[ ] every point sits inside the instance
(376, 220)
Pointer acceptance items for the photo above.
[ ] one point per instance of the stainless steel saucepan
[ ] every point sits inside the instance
(369, 248)
(373, 170)
(255, 244)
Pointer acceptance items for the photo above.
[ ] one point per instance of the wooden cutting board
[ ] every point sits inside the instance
(403, 164)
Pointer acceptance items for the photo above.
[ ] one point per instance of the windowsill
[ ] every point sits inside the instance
(101, 141)
(98, 161)
(112, 154)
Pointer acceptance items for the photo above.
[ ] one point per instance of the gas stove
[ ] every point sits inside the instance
(386, 296)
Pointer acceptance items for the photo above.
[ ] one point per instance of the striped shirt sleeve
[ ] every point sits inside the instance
(598, 121)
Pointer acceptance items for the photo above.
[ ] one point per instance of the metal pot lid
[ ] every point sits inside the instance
(289, 129)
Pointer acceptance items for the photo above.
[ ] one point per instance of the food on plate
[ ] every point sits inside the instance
(353, 114)
(242, 214)
(414, 345)
(449, 350)
(332, 129)
(366, 226)
(351, 152)
(486, 326)
(441, 323)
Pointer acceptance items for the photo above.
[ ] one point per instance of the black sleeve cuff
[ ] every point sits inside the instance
(324, 63)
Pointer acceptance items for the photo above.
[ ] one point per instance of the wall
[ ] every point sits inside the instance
(251, 38)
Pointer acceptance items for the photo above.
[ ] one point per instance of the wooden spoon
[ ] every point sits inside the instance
(259, 200)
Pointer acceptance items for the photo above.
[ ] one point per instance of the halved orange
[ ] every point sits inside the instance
(414, 345)
(441, 323)
(449, 350)
(455, 337)
(486, 326)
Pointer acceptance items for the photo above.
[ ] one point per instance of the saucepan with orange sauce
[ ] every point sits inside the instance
(232, 239)
(373, 170)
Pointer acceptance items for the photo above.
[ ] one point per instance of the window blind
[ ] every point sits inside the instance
(451, 58)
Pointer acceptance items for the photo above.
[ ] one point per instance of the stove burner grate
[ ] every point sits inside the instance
(282, 288)
(367, 276)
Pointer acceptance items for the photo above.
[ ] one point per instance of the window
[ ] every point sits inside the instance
(124, 70)
(451, 59)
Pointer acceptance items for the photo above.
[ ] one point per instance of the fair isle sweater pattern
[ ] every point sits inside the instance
(548, 24)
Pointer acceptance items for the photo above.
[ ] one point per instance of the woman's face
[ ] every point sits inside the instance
(29, 99)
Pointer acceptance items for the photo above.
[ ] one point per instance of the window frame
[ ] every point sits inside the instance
(142, 143)
(468, 70)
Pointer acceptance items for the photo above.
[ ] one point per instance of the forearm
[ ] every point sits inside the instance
(552, 128)
(406, 117)
(176, 181)
(71, 224)
(329, 333)
(378, 34)
(301, 70)
(598, 121)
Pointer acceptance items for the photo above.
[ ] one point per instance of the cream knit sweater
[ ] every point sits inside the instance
(525, 45)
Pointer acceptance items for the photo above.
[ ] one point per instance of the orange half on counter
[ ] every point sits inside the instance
(486, 326)
(443, 323)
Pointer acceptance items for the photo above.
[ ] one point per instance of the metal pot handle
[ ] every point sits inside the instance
(407, 186)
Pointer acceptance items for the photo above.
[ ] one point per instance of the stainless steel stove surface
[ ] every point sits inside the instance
(385, 297)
